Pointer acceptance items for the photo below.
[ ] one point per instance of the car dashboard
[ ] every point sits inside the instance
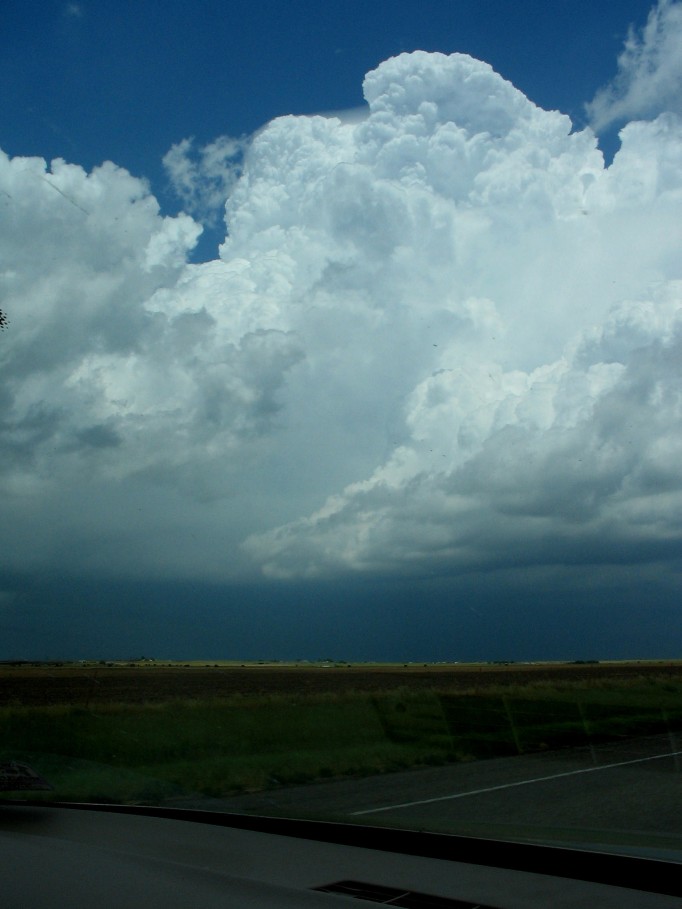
(59, 854)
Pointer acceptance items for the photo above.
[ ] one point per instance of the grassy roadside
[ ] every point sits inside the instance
(214, 747)
(217, 747)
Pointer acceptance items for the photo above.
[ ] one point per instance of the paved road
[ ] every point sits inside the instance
(625, 787)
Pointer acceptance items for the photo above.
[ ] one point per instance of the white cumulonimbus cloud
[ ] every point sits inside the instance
(649, 79)
(442, 338)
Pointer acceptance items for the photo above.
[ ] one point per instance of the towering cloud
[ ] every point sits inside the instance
(441, 338)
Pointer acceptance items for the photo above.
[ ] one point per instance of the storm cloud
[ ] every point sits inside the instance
(440, 338)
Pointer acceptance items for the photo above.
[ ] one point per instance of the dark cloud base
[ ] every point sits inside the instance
(426, 620)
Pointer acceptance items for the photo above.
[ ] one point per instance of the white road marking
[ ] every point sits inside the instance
(537, 779)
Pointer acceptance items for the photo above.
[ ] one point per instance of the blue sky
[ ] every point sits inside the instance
(419, 399)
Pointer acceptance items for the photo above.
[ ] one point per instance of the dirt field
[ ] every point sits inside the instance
(90, 685)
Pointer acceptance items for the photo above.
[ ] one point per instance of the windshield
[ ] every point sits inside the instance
(340, 412)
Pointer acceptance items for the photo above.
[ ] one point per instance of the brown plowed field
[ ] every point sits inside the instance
(87, 686)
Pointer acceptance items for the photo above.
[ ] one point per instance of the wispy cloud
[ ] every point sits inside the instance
(74, 10)
(203, 177)
(649, 78)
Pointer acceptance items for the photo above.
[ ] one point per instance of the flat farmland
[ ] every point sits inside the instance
(145, 732)
(92, 684)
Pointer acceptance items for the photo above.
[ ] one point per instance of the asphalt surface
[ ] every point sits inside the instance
(629, 792)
